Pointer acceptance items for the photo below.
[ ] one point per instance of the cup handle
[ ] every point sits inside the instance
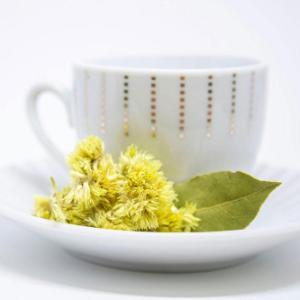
(34, 94)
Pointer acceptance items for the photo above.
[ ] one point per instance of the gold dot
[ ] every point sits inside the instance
(153, 78)
(182, 77)
(209, 120)
(125, 91)
(209, 91)
(153, 106)
(210, 77)
(153, 85)
(182, 85)
(234, 89)
(181, 106)
(209, 113)
(233, 111)
(182, 99)
(153, 99)
(153, 121)
(234, 75)
(210, 84)
(234, 82)
(125, 83)
(181, 114)
(153, 114)
(209, 98)
(232, 103)
(233, 97)
(209, 105)
(125, 98)
(181, 127)
(182, 92)
(125, 105)
(125, 76)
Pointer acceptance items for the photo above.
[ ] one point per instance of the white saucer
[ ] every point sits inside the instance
(277, 222)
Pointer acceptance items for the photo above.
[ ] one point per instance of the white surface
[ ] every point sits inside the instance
(276, 223)
(39, 40)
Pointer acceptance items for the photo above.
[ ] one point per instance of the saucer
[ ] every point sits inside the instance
(277, 222)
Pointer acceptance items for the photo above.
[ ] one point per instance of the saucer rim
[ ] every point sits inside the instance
(18, 216)
(21, 217)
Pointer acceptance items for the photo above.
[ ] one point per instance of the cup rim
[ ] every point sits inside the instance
(95, 64)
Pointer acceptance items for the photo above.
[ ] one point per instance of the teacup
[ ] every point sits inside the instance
(195, 114)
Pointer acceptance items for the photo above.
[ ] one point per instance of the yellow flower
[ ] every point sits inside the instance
(50, 208)
(144, 191)
(88, 152)
(189, 220)
(172, 219)
(43, 208)
(131, 195)
(95, 177)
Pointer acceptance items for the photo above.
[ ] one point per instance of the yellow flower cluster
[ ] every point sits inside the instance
(130, 195)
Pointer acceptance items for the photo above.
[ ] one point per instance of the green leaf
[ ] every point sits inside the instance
(225, 200)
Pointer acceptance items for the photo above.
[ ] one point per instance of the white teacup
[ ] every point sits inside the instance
(196, 114)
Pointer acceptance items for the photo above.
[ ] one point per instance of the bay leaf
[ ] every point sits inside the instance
(225, 200)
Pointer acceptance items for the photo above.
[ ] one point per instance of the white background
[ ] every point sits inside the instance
(40, 39)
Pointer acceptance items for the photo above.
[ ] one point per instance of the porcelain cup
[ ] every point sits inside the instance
(194, 113)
